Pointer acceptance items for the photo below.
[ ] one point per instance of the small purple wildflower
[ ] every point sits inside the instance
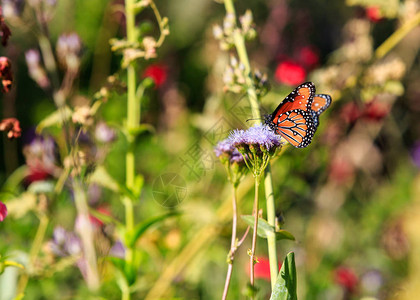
(415, 154)
(104, 134)
(65, 243)
(257, 144)
(117, 250)
(69, 49)
(227, 149)
(232, 159)
(259, 135)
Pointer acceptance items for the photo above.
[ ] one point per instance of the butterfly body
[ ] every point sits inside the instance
(297, 116)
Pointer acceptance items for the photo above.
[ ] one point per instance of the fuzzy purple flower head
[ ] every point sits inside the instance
(65, 243)
(226, 150)
(257, 144)
(259, 137)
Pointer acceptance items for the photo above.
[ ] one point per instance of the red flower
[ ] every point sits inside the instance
(346, 278)
(158, 73)
(341, 170)
(290, 73)
(6, 76)
(96, 222)
(308, 57)
(373, 13)
(3, 211)
(350, 113)
(262, 268)
(376, 110)
(12, 126)
(5, 32)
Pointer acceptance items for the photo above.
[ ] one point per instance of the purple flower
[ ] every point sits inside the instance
(69, 48)
(117, 250)
(415, 154)
(104, 134)
(226, 149)
(65, 243)
(3, 211)
(259, 136)
(36, 71)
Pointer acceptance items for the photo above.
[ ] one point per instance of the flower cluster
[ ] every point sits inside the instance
(225, 33)
(69, 47)
(5, 32)
(12, 126)
(6, 76)
(232, 160)
(65, 243)
(257, 145)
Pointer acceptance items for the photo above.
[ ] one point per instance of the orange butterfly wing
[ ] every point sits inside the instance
(321, 103)
(293, 119)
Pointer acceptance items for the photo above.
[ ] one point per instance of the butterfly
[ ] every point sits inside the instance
(297, 117)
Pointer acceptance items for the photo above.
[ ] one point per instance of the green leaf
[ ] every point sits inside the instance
(284, 235)
(138, 185)
(263, 229)
(285, 288)
(141, 228)
(101, 177)
(136, 131)
(56, 118)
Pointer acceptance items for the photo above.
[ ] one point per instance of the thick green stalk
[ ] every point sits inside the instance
(254, 233)
(271, 219)
(268, 183)
(133, 115)
(397, 36)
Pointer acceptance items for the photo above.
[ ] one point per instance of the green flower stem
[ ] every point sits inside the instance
(33, 253)
(397, 36)
(239, 41)
(271, 219)
(233, 243)
(268, 183)
(86, 235)
(254, 233)
(133, 120)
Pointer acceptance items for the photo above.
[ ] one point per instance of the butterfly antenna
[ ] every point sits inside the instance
(254, 119)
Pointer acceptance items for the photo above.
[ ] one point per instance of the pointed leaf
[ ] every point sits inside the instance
(141, 228)
(285, 288)
(101, 177)
(263, 229)
(55, 118)
(284, 235)
(136, 131)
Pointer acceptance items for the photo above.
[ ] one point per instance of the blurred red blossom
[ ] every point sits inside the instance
(373, 13)
(5, 32)
(6, 76)
(3, 211)
(376, 110)
(346, 278)
(308, 56)
(12, 126)
(341, 170)
(262, 268)
(158, 73)
(96, 222)
(290, 73)
(350, 112)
